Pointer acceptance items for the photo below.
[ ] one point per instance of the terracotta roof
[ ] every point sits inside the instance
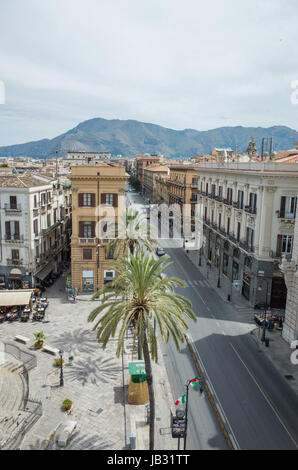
(21, 181)
(157, 168)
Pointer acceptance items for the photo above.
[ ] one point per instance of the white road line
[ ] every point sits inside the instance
(201, 298)
(268, 401)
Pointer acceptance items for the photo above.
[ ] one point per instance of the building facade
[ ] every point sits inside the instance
(35, 228)
(249, 212)
(98, 193)
(150, 176)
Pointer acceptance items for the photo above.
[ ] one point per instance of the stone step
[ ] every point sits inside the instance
(10, 424)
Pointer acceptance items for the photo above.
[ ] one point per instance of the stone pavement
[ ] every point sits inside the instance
(279, 351)
(94, 382)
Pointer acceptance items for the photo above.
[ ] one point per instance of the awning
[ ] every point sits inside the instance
(45, 271)
(8, 298)
(15, 273)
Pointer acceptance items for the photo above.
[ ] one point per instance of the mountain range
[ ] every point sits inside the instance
(130, 137)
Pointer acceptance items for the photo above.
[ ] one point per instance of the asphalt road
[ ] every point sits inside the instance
(258, 404)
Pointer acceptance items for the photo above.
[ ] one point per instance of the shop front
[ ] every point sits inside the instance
(88, 281)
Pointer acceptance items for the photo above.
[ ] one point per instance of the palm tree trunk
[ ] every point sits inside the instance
(148, 369)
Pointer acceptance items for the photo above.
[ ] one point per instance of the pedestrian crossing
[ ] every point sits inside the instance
(196, 283)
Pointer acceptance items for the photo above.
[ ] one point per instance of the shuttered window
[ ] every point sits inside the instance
(86, 200)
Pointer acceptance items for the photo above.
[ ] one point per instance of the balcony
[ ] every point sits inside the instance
(250, 210)
(286, 216)
(14, 262)
(247, 247)
(194, 199)
(87, 241)
(13, 209)
(227, 202)
(14, 238)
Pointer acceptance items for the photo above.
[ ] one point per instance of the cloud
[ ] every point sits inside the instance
(191, 64)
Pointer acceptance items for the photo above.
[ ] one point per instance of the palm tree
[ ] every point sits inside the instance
(139, 293)
(133, 232)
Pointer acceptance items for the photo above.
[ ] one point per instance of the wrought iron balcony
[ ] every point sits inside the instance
(12, 208)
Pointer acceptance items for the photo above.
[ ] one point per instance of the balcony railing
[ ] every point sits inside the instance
(14, 238)
(247, 247)
(13, 208)
(87, 241)
(250, 210)
(286, 216)
(14, 262)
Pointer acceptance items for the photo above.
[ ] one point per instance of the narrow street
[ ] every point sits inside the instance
(257, 403)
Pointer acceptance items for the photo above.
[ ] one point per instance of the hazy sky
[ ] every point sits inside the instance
(180, 64)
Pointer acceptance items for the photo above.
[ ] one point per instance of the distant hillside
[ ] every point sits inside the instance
(130, 137)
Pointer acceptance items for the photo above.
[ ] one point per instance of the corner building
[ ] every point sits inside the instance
(96, 189)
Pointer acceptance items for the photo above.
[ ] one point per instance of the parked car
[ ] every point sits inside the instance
(160, 251)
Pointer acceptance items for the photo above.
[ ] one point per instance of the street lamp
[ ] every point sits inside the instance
(264, 306)
(218, 279)
(61, 368)
(186, 406)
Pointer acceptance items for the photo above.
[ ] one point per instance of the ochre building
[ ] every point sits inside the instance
(98, 194)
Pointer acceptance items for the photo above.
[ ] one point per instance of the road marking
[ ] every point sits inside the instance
(218, 404)
(264, 395)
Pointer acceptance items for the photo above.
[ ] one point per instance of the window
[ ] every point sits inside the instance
(284, 245)
(15, 254)
(253, 202)
(110, 253)
(220, 192)
(13, 202)
(230, 195)
(12, 230)
(240, 199)
(87, 253)
(35, 201)
(288, 207)
(49, 220)
(250, 237)
(35, 226)
(37, 251)
(87, 200)
(109, 199)
(287, 243)
(86, 229)
(219, 221)
(238, 231)
(108, 276)
(228, 225)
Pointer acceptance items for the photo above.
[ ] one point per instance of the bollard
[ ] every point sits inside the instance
(133, 441)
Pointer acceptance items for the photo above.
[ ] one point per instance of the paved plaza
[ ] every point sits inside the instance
(93, 381)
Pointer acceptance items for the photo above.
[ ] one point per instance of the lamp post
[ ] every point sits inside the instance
(264, 306)
(186, 406)
(219, 259)
(61, 368)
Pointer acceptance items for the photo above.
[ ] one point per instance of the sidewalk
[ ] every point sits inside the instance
(279, 350)
(164, 405)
